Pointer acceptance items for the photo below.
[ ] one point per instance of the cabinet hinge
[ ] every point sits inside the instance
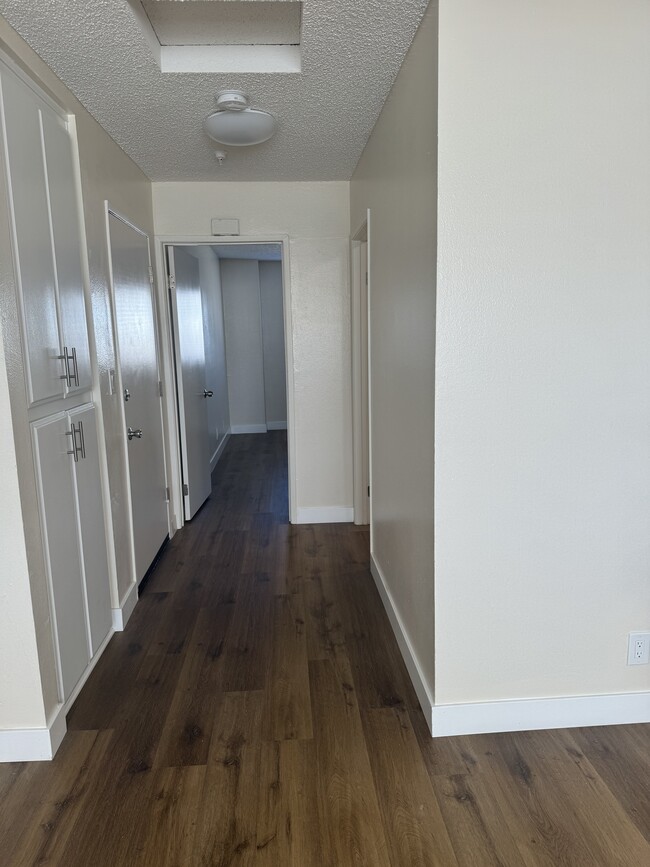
(368, 490)
(171, 283)
(186, 490)
(151, 275)
(160, 388)
(167, 494)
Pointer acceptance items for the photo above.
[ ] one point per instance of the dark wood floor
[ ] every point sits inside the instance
(256, 711)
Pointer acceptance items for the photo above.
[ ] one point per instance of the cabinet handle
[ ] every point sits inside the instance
(134, 433)
(78, 447)
(74, 451)
(75, 367)
(82, 440)
(65, 358)
(207, 392)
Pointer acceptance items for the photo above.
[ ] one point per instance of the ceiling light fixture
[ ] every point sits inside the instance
(237, 125)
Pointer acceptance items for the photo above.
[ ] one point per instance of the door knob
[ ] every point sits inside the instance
(207, 392)
(134, 433)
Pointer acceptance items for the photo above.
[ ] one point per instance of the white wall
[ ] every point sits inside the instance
(543, 348)
(107, 173)
(240, 282)
(275, 375)
(316, 218)
(215, 347)
(396, 179)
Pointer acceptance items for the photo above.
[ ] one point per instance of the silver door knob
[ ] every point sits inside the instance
(207, 392)
(137, 433)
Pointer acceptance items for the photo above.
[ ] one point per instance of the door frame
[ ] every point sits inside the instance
(170, 385)
(361, 404)
(117, 388)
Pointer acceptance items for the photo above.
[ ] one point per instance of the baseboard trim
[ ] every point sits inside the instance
(247, 428)
(33, 745)
(325, 515)
(541, 713)
(406, 648)
(276, 425)
(122, 614)
(214, 460)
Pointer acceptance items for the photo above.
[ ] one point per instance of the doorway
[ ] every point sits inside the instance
(231, 355)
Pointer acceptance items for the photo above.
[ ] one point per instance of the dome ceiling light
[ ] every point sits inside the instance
(237, 125)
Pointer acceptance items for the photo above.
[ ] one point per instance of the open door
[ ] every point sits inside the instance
(193, 393)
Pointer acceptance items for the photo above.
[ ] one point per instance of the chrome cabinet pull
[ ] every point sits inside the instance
(137, 433)
(75, 368)
(127, 394)
(207, 392)
(78, 446)
(66, 358)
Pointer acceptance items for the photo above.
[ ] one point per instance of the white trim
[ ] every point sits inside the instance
(247, 428)
(161, 241)
(276, 425)
(325, 515)
(214, 460)
(540, 713)
(425, 696)
(122, 614)
(33, 745)
(41, 744)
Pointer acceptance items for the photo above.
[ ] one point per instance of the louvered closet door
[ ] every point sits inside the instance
(34, 265)
(60, 526)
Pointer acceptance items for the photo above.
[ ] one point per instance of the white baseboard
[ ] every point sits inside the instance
(34, 745)
(541, 713)
(276, 425)
(413, 666)
(214, 460)
(247, 428)
(121, 615)
(325, 515)
(40, 745)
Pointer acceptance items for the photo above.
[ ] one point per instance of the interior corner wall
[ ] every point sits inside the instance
(542, 469)
(275, 374)
(396, 180)
(106, 174)
(315, 216)
(240, 282)
(215, 348)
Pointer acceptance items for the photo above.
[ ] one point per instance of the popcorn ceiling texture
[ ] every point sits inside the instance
(351, 53)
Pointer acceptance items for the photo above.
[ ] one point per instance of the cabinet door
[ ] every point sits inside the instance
(33, 243)
(60, 527)
(67, 246)
(91, 519)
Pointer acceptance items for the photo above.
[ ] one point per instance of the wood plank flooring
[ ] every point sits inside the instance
(256, 711)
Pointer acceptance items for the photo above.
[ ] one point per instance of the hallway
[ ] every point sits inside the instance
(256, 711)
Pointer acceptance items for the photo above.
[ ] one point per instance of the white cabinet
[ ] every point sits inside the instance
(67, 470)
(46, 239)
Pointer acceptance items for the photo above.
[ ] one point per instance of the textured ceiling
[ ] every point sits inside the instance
(351, 53)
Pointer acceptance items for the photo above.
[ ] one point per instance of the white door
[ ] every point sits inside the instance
(67, 248)
(52, 443)
(193, 391)
(33, 243)
(91, 519)
(137, 352)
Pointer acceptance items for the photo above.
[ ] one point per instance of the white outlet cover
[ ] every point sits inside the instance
(638, 648)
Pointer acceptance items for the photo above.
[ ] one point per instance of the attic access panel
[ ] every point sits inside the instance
(222, 35)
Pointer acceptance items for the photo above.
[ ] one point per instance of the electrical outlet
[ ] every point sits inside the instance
(638, 649)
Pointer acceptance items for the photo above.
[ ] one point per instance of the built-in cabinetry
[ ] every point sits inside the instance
(44, 210)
